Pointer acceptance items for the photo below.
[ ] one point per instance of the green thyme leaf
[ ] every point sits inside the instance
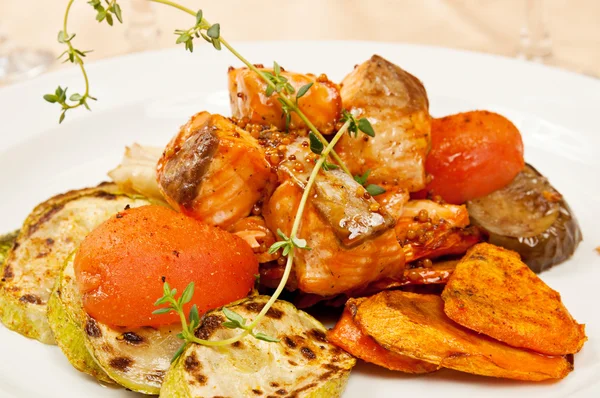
(282, 235)
(264, 337)
(214, 31)
(277, 245)
(194, 317)
(329, 166)
(199, 17)
(161, 301)
(75, 97)
(178, 353)
(276, 69)
(316, 146)
(183, 38)
(51, 98)
(300, 243)
(303, 90)
(117, 12)
(269, 91)
(161, 311)
(188, 293)
(362, 179)
(234, 317)
(365, 126)
(374, 190)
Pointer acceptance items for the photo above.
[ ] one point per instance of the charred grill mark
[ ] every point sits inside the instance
(8, 272)
(31, 299)
(273, 313)
(289, 342)
(326, 376)
(156, 377)
(105, 195)
(293, 363)
(209, 324)
(42, 254)
(281, 391)
(238, 344)
(308, 353)
(48, 215)
(274, 384)
(296, 393)
(318, 335)
(92, 329)
(49, 242)
(201, 379)
(121, 363)
(257, 392)
(183, 173)
(131, 338)
(191, 363)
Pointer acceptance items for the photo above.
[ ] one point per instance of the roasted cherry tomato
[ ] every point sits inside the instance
(472, 154)
(121, 266)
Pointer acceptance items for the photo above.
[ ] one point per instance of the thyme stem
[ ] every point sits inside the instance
(282, 95)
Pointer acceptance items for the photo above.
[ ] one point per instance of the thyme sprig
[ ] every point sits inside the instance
(75, 56)
(276, 83)
(192, 321)
(287, 244)
(357, 125)
(372, 189)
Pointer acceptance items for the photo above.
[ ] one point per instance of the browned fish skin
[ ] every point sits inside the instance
(331, 268)
(214, 171)
(396, 104)
(322, 103)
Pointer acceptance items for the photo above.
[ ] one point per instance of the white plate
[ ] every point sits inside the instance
(146, 97)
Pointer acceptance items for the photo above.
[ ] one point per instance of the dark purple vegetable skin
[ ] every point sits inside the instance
(530, 217)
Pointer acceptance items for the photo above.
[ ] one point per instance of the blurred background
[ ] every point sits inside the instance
(563, 33)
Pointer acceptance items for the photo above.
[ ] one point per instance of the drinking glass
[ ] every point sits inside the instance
(20, 63)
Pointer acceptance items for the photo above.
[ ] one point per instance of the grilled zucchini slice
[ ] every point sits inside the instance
(52, 231)
(68, 333)
(136, 359)
(302, 364)
(6, 243)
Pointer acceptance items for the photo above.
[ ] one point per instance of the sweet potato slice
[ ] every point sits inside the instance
(493, 292)
(348, 336)
(415, 325)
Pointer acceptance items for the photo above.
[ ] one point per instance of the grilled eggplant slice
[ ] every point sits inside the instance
(52, 231)
(302, 364)
(136, 359)
(530, 217)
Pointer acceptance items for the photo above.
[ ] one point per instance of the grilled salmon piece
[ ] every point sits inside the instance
(321, 104)
(331, 267)
(214, 171)
(396, 104)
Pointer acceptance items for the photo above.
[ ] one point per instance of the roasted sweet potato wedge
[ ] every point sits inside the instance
(347, 335)
(415, 325)
(493, 292)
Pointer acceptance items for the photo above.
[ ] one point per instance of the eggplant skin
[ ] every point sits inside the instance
(557, 240)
